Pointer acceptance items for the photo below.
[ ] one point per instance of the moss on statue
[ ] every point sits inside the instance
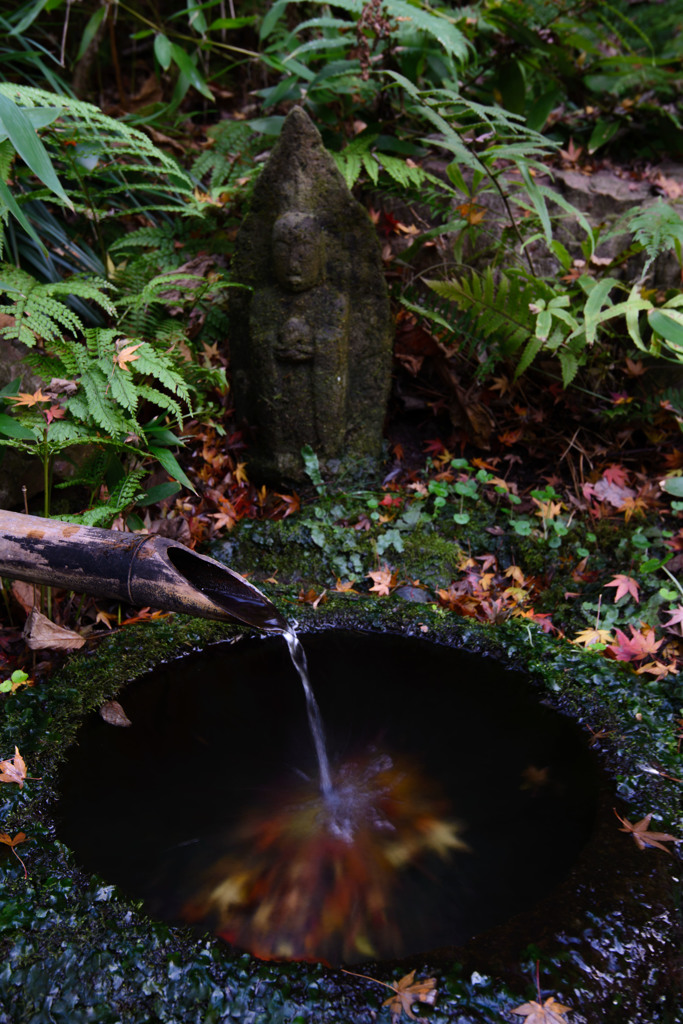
(311, 338)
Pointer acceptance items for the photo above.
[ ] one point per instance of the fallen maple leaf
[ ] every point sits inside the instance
(382, 581)
(642, 837)
(126, 355)
(676, 619)
(345, 587)
(20, 837)
(514, 572)
(588, 637)
(146, 615)
(657, 668)
(239, 473)
(551, 1012)
(547, 509)
(312, 597)
(24, 398)
(14, 770)
(291, 503)
(625, 585)
(634, 368)
(635, 647)
(607, 490)
(616, 474)
(472, 212)
(405, 992)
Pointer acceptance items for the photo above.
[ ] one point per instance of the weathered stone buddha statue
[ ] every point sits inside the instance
(311, 340)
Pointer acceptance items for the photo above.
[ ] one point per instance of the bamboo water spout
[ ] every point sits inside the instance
(141, 569)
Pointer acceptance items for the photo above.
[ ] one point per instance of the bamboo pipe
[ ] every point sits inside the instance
(141, 569)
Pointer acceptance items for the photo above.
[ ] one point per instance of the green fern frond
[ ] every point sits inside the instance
(153, 364)
(658, 229)
(160, 238)
(501, 306)
(39, 309)
(98, 158)
(121, 498)
(229, 158)
(88, 472)
(124, 391)
(163, 401)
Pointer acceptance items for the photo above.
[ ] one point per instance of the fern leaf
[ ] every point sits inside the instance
(657, 228)
(124, 392)
(122, 497)
(40, 310)
(501, 309)
(108, 153)
(160, 367)
(103, 412)
(162, 400)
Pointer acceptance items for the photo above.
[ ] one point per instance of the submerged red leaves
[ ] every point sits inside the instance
(310, 880)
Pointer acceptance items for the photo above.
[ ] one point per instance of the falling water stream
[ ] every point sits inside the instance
(298, 656)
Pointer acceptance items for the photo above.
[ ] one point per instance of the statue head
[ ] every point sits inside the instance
(298, 251)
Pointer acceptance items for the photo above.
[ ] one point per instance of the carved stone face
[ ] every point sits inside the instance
(297, 251)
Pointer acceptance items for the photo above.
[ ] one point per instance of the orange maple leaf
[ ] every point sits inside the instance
(551, 1012)
(345, 587)
(642, 837)
(126, 355)
(547, 509)
(291, 503)
(312, 597)
(406, 991)
(472, 212)
(382, 581)
(24, 398)
(625, 585)
(658, 669)
(13, 769)
(20, 837)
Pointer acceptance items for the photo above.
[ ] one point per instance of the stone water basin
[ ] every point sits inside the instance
(207, 809)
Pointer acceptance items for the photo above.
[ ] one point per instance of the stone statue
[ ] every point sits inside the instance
(311, 339)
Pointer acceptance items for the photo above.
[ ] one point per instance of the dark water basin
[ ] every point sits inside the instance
(221, 736)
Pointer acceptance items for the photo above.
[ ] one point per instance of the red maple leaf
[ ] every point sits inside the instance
(616, 474)
(635, 647)
(625, 585)
(435, 447)
(676, 618)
